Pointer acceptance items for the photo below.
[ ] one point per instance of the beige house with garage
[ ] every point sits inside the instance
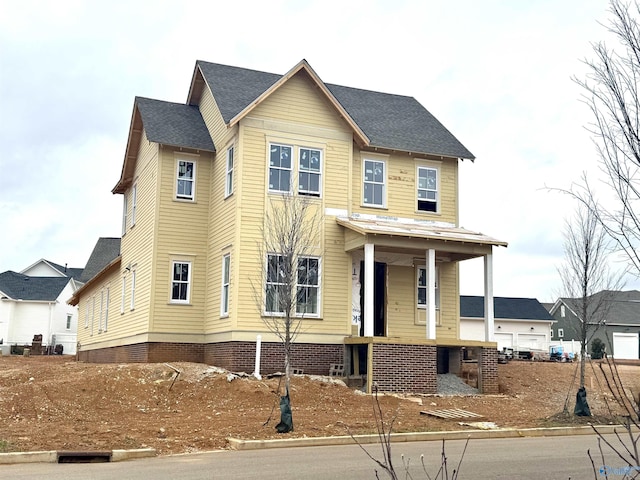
(197, 179)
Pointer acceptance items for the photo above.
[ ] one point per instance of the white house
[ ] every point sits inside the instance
(520, 323)
(33, 302)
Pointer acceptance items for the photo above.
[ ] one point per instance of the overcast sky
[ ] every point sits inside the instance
(497, 74)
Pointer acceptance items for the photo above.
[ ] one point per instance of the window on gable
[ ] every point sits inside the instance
(421, 283)
(427, 189)
(228, 190)
(374, 183)
(224, 300)
(180, 282)
(308, 286)
(309, 171)
(134, 204)
(562, 311)
(185, 186)
(280, 168)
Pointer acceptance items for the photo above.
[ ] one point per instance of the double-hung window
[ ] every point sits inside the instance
(125, 212)
(308, 286)
(277, 274)
(133, 290)
(106, 311)
(124, 291)
(421, 283)
(309, 173)
(427, 189)
(374, 183)
(228, 188)
(224, 300)
(69, 316)
(180, 282)
(134, 203)
(185, 186)
(280, 168)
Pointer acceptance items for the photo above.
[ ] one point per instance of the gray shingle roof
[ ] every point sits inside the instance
(105, 251)
(621, 307)
(174, 124)
(23, 287)
(390, 121)
(504, 307)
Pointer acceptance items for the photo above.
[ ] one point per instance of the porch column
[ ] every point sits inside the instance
(431, 294)
(368, 289)
(488, 297)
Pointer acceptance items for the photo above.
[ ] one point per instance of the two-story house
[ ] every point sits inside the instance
(196, 183)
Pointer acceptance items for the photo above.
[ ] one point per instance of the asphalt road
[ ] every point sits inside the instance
(514, 459)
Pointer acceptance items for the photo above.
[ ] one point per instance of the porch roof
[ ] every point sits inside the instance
(414, 234)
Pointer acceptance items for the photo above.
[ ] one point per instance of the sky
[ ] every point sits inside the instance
(497, 74)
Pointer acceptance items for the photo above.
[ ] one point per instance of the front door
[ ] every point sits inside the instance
(379, 299)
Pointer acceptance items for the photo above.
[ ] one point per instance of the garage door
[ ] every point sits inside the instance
(505, 340)
(625, 345)
(532, 341)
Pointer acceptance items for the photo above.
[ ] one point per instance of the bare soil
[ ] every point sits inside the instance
(56, 403)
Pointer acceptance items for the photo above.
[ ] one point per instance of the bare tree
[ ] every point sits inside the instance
(588, 282)
(290, 275)
(611, 93)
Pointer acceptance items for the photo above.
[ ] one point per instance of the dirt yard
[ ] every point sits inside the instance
(56, 403)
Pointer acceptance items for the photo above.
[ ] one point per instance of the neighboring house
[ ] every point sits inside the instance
(34, 302)
(196, 181)
(520, 323)
(619, 322)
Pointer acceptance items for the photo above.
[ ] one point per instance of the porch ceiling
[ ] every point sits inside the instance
(416, 237)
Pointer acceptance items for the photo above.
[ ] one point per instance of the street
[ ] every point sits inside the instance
(513, 459)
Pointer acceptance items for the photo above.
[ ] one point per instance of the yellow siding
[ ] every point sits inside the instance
(401, 281)
(182, 230)
(401, 198)
(92, 333)
(449, 302)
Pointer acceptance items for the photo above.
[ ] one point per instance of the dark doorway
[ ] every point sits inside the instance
(379, 299)
(443, 360)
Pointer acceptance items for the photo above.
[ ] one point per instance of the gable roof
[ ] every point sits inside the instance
(615, 307)
(505, 308)
(387, 121)
(106, 250)
(18, 286)
(165, 123)
(63, 271)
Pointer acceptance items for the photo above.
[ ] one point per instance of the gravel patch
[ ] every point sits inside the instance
(451, 384)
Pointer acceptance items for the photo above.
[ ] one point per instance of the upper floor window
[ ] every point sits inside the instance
(374, 183)
(421, 283)
(427, 189)
(125, 212)
(228, 188)
(69, 321)
(224, 300)
(134, 203)
(562, 311)
(180, 282)
(309, 171)
(185, 183)
(308, 286)
(280, 168)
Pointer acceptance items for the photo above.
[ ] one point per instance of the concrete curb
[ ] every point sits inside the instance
(238, 444)
(52, 456)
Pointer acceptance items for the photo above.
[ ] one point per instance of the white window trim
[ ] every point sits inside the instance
(186, 198)
(101, 311)
(106, 310)
(561, 333)
(424, 306)
(225, 289)
(132, 305)
(124, 291)
(291, 169)
(69, 319)
(228, 179)
(437, 189)
(318, 288)
(300, 170)
(270, 313)
(187, 301)
(93, 312)
(86, 314)
(385, 181)
(125, 213)
(134, 203)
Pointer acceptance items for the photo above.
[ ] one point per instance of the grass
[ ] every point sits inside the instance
(4, 446)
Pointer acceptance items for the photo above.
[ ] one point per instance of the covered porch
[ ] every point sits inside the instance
(405, 303)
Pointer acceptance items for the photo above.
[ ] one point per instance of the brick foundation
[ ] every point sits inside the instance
(313, 359)
(488, 371)
(405, 368)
